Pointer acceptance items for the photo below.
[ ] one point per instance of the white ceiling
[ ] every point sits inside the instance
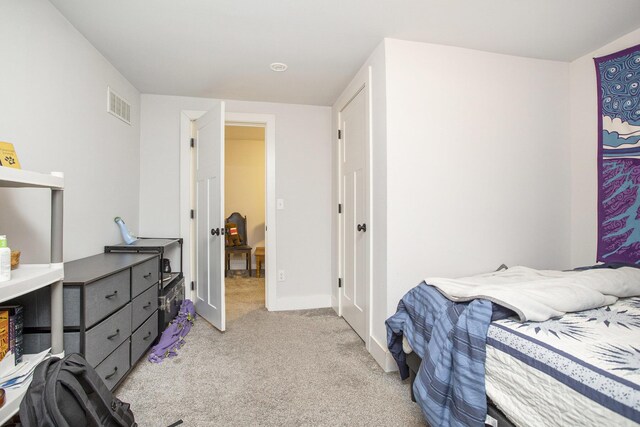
(223, 48)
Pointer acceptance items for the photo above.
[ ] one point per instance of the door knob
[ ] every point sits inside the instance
(215, 231)
(362, 227)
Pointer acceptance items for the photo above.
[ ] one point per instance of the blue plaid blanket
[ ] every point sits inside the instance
(451, 339)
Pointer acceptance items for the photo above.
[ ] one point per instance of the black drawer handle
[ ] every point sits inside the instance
(147, 306)
(146, 276)
(110, 337)
(148, 336)
(114, 294)
(115, 370)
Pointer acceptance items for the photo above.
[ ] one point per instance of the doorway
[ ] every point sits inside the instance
(189, 163)
(245, 213)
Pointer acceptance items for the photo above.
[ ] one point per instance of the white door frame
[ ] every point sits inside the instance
(361, 82)
(186, 188)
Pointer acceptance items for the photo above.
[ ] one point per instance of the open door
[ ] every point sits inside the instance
(354, 294)
(209, 216)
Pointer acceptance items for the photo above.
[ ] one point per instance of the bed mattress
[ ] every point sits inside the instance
(581, 369)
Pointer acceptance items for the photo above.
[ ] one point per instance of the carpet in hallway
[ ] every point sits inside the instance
(243, 295)
(270, 368)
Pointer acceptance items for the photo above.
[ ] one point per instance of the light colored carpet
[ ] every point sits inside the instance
(244, 295)
(280, 368)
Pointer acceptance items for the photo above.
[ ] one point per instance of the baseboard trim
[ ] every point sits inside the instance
(302, 303)
(382, 355)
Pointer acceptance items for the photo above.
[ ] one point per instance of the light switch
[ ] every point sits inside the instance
(280, 204)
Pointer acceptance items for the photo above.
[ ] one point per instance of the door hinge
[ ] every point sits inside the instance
(193, 213)
(339, 208)
(339, 282)
(193, 286)
(339, 134)
(193, 142)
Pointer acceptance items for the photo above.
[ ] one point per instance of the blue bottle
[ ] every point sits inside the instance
(126, 236)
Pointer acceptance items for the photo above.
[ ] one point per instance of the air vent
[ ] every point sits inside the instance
(118, 106)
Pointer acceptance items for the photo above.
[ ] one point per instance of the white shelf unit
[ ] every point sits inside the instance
(30, 277)
(18, 178)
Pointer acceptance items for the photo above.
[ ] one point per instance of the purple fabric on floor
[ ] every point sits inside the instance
(173, 337)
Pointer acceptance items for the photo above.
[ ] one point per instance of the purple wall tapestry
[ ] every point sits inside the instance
(618, 77)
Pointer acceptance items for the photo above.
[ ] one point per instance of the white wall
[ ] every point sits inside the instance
(303, 174)
(584, 146)
(53, 93)
(478, 159)
(160, 162)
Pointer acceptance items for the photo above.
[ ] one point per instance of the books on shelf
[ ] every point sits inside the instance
(7, 359)
(11, 339)
(16, 324)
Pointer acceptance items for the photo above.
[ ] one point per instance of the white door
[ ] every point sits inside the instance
(354, 189)
(209, 217)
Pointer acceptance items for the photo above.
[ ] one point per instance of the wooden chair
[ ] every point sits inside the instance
(259, 259)
(245, 249)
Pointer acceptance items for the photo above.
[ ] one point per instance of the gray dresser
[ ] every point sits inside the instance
(110, 312)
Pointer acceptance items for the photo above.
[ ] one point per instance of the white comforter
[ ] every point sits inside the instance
(539, 295)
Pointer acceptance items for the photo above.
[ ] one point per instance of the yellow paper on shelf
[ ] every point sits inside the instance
(7, 358)
(8, 156)
(4, 333)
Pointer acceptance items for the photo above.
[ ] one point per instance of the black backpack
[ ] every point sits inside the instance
(67, 393)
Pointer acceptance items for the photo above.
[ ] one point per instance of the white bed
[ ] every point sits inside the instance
(582, 369)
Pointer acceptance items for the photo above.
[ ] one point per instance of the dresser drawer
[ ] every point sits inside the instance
(143, 276)
(106, 336)
(143, 337)
(143, 305)
(105, 296)
(115, 366)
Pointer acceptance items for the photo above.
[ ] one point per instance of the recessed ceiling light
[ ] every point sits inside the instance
(278, 66)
